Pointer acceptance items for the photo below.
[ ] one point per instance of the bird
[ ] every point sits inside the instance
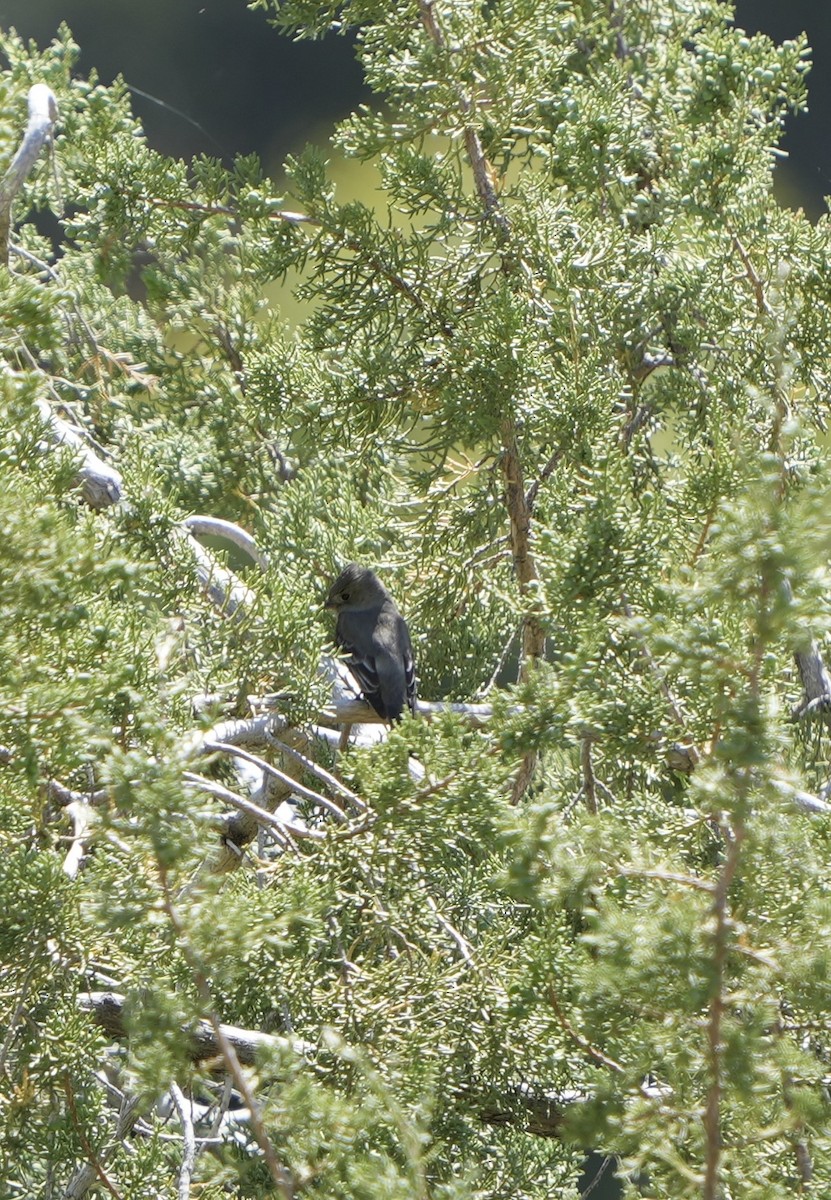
(375, 641)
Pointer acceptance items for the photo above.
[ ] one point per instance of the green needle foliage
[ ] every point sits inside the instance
(564, 381)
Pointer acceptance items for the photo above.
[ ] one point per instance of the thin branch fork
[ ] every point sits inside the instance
(545, 473)
(261, 815)
(267, 768)
(321, 773)
(85, 1176)
(753, 277)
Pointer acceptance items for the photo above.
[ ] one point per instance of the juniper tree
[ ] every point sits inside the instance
(563, 382)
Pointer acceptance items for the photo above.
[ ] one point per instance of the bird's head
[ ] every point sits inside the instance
(355, 588)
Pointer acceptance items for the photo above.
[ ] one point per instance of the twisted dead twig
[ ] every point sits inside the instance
(279, 1173)
(188, 1141)
(43, 113)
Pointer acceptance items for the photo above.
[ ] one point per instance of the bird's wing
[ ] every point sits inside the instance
(409, 667)
(381, 659)
(363, 667)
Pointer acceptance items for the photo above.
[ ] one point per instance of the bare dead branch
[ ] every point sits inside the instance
(539, 1111)
(225, 590)
(107, 1010)
(355, 712)
(101, 484)
(43, 113)
(80, 814)
(188, 1141)
(462, 944)
(279, 1173)
(321, 773)
(65, 796)
(267, 768)
(282, 828)
(216, 527)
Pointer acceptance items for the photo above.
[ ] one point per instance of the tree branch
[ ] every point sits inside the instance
(538, 1111)
(43, 113)
(93, 1159)
(260, 815)
(225, 591)
(239, 537)
(188, 1141)
(101, 484)
(279, 1173)
(482, 169)
(315, 797)
(107, 1010)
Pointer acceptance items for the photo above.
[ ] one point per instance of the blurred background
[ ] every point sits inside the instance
(209, 76)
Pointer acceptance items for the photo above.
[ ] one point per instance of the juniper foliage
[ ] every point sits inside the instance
(565, 380)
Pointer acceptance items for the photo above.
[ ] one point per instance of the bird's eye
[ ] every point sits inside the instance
(345, 597)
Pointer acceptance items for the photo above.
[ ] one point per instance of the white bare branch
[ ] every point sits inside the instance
(43, 113)
(284, 829)
(188, 1141)
(216, 527)
(101, 484)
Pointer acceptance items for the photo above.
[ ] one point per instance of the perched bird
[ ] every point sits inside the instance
(375, 640)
